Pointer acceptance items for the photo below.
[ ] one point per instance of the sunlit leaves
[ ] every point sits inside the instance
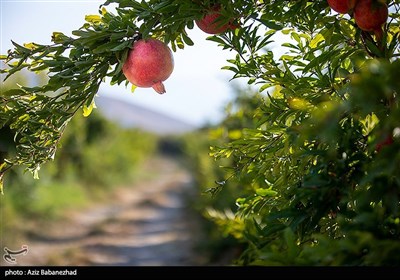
(316, 40)
(369, 123)
(87, 109)
(266, 192)
(228, 221)
(93, 19)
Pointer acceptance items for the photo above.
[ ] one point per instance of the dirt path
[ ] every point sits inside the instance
(147, 223)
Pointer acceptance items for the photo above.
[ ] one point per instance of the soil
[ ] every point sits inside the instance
(148, 223)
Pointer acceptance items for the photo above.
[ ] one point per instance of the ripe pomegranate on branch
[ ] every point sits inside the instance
(342, 6)
(150, 62)
(211, 23)
(370, 15)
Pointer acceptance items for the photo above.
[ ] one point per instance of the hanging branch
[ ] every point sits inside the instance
(76, 66)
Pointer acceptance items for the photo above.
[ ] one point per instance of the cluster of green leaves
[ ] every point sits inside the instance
(218, 187)
(316, 179)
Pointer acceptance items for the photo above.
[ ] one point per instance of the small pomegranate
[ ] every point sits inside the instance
(149, 63)
(386, 142)
(370, 15)
(342, 6)
(210, 22)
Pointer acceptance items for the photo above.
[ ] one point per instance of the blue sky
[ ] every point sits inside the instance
(197, 90)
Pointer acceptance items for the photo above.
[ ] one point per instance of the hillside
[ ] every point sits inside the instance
(130, 115)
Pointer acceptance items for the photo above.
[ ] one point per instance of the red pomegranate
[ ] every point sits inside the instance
(342, 6)
(386, 142)
(370, 15)
(210, 22)
(149, 63)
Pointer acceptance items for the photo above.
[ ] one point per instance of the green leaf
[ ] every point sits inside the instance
(271, 24)
(87, 110)
(327, 34)
(36, 173)
(369, 123)
(121, 46)
(216, 39)
(59, 38)
(24, 117)
(1, 184)
(373, 48)
(93, 19)
(296, 37)
(187, 40)
(30, 46)
(111, 46)
(317, 39)
(266, 192)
